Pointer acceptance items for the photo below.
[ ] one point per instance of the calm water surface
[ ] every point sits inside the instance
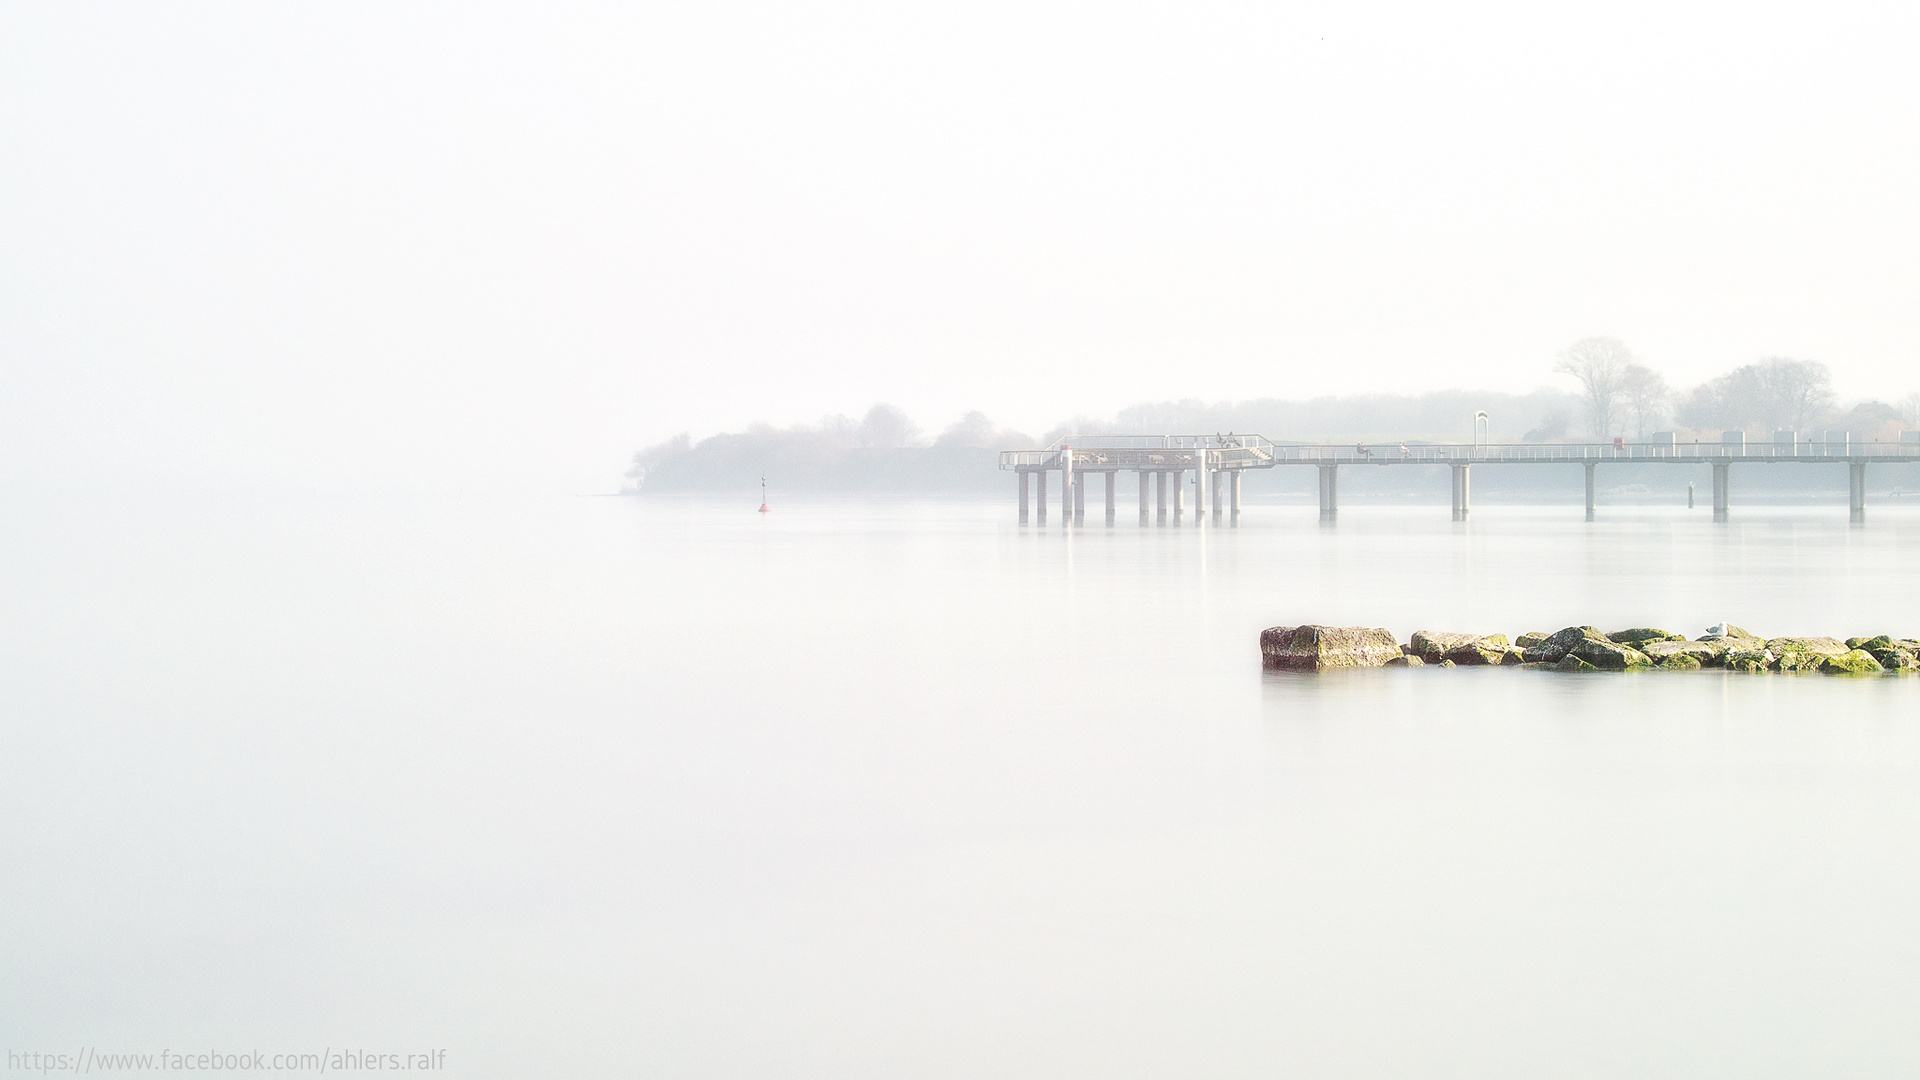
(613, 787)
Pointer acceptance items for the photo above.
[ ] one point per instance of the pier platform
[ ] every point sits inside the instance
(1178, 474)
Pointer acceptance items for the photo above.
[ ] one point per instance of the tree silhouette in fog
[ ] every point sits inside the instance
(1600, 365)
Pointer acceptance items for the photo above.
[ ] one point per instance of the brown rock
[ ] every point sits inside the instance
(1326, 648)
(1433, 647)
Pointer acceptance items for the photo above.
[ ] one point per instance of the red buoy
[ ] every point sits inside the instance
(763, 495)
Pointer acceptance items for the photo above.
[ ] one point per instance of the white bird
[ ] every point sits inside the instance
(1718, 629)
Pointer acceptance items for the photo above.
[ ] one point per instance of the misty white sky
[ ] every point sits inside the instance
(386, 246)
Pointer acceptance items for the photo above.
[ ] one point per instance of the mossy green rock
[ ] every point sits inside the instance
(1608, 656)
(1749, 661)
(1825, 646)
(1561, 642)
(1870, 644)
(1851, 662)
(1572, 663)
(1705, 653)
(1678, 662)
(1639, 637)
(1531, 638)
(1898, 659)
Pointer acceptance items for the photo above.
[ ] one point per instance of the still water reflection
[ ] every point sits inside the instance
(620, 787)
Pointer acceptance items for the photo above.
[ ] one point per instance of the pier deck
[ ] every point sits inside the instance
(1211, 465)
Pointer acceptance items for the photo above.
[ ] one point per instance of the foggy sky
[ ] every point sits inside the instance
(346, 247)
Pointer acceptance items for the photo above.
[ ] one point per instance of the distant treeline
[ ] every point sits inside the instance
(1619, 396)
(886, 452)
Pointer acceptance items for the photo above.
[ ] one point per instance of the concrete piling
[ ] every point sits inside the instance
(1066, 485)
(1461, 492)
(1199, 487)
(1591, 466)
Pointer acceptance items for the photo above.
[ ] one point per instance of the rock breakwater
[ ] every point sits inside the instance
(1587, 648)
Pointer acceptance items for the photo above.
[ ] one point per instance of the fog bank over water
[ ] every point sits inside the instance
(352, 246)
(887, 452)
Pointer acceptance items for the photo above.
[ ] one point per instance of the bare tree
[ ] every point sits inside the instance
(1646, 394)
(1773, 394)
(1600, 364)
(1798, 392)
(1910, 411)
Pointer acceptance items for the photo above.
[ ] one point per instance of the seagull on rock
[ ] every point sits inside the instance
(1718, 629)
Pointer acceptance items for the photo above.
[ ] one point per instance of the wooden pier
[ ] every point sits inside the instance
(1207, 468)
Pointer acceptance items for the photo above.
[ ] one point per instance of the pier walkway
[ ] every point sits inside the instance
(1210, 466)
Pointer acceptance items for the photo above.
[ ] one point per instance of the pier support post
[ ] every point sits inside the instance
(1040, 497)
(1112, 476)
(1461, 492)
(1080, 498)
(1178, 482)
(1142, 474)
(1329, 492)
(1199, 487)
(1024, 478)
(1590, 467)
(1160, 496)
(1721, 485)
(1236, 495)
(1218, 493)
(1857, 491)
(1066, 485)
